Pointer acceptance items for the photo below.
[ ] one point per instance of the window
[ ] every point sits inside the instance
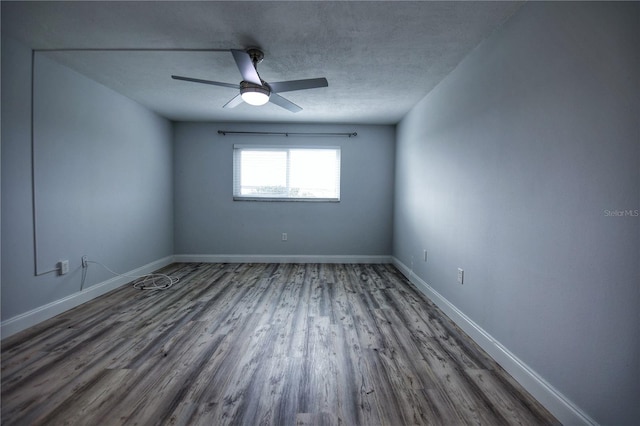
(278, 173)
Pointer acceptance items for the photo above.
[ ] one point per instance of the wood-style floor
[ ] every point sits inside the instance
(254, 344)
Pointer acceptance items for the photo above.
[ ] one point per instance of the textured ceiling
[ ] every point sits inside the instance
(380, 58)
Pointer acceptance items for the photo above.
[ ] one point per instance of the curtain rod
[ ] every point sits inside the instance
(129, 49)
(232, 132)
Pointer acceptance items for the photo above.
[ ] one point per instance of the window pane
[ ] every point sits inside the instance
(263, 172)
(313, 173)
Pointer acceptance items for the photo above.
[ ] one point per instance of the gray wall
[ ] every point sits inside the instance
(507, 169)
(208, 221)
(103, 181)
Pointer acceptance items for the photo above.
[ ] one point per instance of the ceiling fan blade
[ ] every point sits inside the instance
(284, 103)
(288, 86)
(234, 102)
(245, 65)
(213, 83)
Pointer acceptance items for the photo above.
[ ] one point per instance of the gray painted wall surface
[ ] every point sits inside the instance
(103, 178)
(208, 221)
(507, 170)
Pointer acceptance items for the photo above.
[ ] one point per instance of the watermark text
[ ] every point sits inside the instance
(622, 213)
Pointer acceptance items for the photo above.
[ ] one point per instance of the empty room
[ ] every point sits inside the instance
(320, 213)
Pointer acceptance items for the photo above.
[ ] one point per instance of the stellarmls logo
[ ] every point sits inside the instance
(622, 213)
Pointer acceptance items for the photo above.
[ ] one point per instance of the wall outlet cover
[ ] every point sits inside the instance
(63, 267)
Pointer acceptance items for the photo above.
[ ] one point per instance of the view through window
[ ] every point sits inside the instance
(286, 173)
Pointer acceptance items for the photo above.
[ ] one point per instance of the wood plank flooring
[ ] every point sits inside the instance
(259, 344)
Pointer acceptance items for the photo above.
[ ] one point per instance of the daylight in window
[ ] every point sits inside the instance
(286, 173)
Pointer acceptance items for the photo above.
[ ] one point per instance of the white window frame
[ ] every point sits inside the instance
(237, 167)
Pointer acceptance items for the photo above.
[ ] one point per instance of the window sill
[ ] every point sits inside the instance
(296, 200)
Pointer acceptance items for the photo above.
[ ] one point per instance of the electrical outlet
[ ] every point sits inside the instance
(63, 267)
(85, 262)
(284, 236)
(460, 276)
(425, 255)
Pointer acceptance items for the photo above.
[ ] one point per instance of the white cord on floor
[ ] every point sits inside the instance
(149, 281)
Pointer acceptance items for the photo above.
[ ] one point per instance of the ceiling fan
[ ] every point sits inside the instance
(253, 89)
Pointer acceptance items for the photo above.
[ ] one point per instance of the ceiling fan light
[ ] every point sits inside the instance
(255, 95)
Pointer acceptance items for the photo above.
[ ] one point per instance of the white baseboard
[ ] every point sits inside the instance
(50, 310)
(560, 406)
(285, 258)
